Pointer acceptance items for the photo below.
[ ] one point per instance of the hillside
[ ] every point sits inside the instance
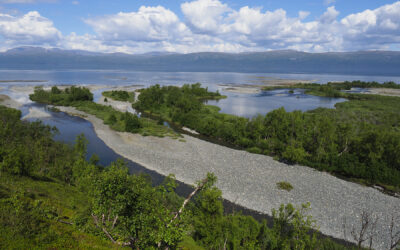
(284, 61)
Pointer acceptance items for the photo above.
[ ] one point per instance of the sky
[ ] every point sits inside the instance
(187, 26)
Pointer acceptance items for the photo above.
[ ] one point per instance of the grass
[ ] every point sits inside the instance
(58, 201)
(283, 185)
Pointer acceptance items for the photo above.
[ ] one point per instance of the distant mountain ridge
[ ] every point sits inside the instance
(280, 61)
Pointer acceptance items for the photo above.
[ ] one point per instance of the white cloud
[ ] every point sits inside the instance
(329, 15)
(211, 25)
(303, 14)
(378, 28)
(204, 15)
(30, 28)
(148, 24)
(255, 29)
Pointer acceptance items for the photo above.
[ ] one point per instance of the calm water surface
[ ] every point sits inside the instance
(247, 105)
(118, 77)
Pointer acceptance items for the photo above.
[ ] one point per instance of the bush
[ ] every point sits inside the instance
(254, 150)
(284, 185)
(294, 154)
(132, 123)
(112, 119)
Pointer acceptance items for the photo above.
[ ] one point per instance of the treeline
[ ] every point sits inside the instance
(51, 197)
(359, 139)
(336, 89)
(120, 95)
(188, 97)
(60, 97)
(347, 85)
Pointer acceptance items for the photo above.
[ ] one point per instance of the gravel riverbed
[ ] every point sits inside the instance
(250, 180)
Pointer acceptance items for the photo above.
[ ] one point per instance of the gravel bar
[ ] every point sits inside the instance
(250, 180)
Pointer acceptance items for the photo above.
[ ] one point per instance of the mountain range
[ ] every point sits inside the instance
(279, 61)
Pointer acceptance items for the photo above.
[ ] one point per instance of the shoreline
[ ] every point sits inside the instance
(249, 180)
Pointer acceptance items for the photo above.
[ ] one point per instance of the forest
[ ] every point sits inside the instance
(52, 197)
(359, 139)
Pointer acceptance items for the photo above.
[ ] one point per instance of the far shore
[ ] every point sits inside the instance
(384, 91)
(257, 88)
(250, 180)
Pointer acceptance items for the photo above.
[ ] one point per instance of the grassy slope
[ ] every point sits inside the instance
(65, 202)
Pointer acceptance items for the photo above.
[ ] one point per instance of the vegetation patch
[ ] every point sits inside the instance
(54, 109)
(284, 186)
(119, 95)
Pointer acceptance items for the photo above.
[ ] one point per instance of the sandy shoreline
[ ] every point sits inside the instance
(36, 113)
(250, 179)
(8, 102)
(257, 88)
(384, 91)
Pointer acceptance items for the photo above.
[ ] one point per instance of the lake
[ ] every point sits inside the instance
(119, 77)
(246, 105)
(249, 105)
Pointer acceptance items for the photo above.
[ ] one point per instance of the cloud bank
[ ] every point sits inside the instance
(212, 25)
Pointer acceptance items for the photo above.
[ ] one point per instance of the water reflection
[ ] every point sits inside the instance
(249, 105)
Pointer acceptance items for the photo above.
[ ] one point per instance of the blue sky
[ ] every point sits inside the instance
(201, 25)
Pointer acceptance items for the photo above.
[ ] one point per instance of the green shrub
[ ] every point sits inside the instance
(112, 119)
(254, 150)
(132, 123)
(284, 186)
